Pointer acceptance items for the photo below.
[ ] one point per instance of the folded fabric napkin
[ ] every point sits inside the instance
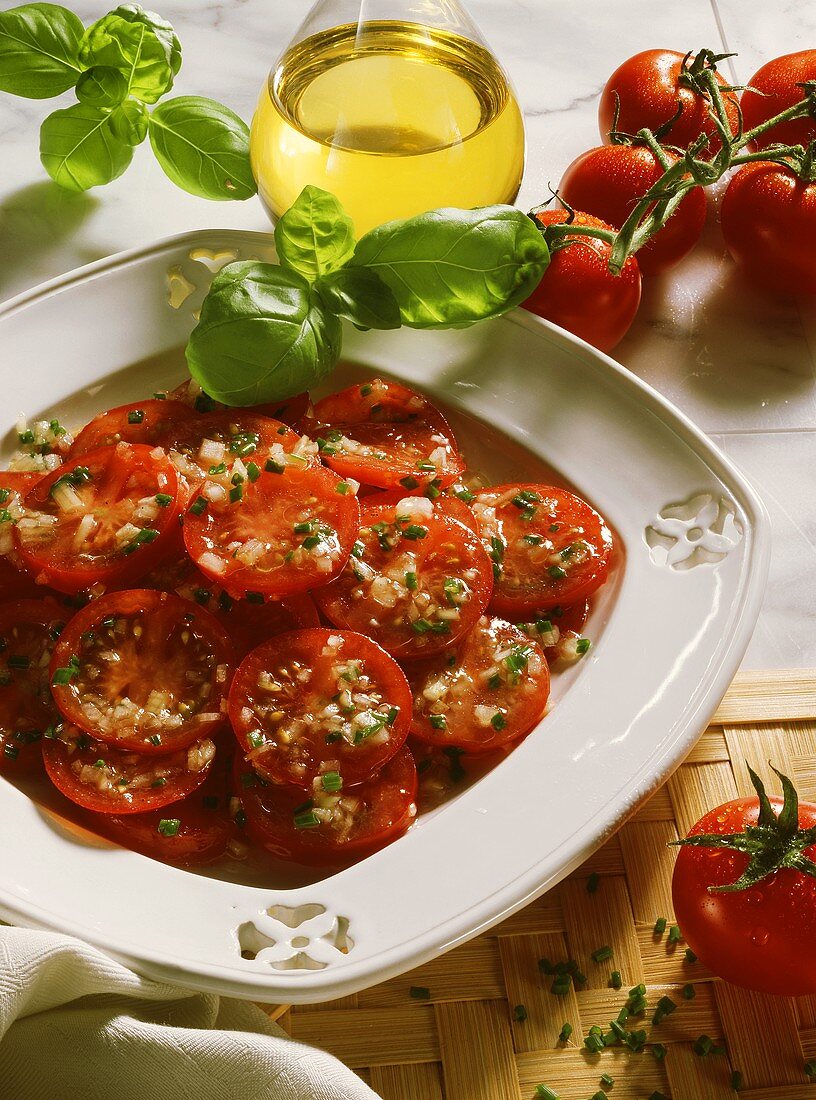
(74, 1023)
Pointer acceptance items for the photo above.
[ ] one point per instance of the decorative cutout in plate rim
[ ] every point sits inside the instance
(701, 530)
(301, 937)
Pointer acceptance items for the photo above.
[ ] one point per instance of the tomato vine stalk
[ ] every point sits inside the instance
(692, 169)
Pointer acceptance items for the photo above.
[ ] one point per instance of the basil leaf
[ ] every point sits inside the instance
(315, 235)
(101, 86)
(453, 267)
(39, 50)
(160, 27)
(135, 42)
(129, 122)
(203, 147)
(79, 150)
(263, 335)
(360, 296)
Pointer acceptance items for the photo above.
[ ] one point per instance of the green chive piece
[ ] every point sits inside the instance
(657, 1095)
(438, 722)
(198, 506)
(660, 926)
(160, 782)
(556, 572)
(675, 934)
(592, 883)
(155, 739)
(736, 1081)
(136, 416)
(665, 1007)
(601, 954)
(332, 781)
(306, 820)
(169, 826)
(273, 467)
(411, 582)
(498, 721)
(565, 1032)
(465, 496)
(419, 993)
(544, 1092)
(520, 1013)
(236, 493)
(703, 1046)
(607, 1081)
(615, 979)
(810, 1067)
(690, 956)
(409, 482)
(253, 471)
(689, 992)
(582, 646)
(66, 674)
(658, 1051)
(598, 1095)
(413, 532)
(365, 391)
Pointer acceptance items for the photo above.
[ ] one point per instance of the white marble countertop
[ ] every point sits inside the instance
(741, 367)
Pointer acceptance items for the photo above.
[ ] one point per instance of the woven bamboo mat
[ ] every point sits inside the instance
(464, 1041)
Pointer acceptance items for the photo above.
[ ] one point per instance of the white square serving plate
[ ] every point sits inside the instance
(668, 634)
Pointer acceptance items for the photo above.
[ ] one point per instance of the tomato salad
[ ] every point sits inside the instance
(220, 629)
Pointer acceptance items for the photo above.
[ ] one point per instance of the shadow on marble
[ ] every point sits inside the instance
(34, 221)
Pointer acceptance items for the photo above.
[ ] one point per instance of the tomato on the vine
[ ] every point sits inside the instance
(771, 90)
(747, 905)
(610, 180)
(580, 293)
(768, 218)
(649, 90)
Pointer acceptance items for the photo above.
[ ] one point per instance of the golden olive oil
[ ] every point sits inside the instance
(394, 118)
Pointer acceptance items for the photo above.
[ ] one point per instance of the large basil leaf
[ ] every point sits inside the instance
(315, 236)
(360, 296)
(129, 122)
(453, 267)
(39, 50)
(203, 147)
(263, 335)
(79, 149)
(101, 86)
(136, 43)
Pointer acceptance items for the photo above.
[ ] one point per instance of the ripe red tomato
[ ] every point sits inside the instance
(143, 670)
(610, 181)
(491, 690)
(549, 547)
(649, 89)
(776, 90)
(383, 434)
(761, 937)
(335, 824)
(416, 580)
(578, 291)
(112, 781)
(768, 218)
(317, 700)
(154, 423)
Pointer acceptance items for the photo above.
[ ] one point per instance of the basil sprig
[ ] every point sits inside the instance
(268, 331)
(119, 67)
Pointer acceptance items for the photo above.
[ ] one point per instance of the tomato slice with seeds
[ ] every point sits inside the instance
(548, 546)
(449, 505)
(153, 423)
(249, 621)
(558, 631)
(28, 632)
(184, 834)
(317, 701)
(276, 533)
(335, 823)
(416, 580)
(103, 518)
(143, 670)
(14, 581)
(491, 690)
(381, 433)
(108, 780)
(289, 411)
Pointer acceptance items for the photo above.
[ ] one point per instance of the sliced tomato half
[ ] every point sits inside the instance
(153, 423)
(549, 547)
(316, 701)
(275, 533)
(108, 780)
(335, 824)
(381, 433)
(489, 691)
(104, 518)
(143, 670)
(28, 632)
(416, 580)
(288, 411)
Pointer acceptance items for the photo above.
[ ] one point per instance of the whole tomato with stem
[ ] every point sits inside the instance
(744, 891)
(768, 218)
(610, 180)
(652, 88)
(771, 90)
(579, 292)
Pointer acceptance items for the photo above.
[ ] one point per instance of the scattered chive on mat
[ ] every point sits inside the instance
(467, 1040)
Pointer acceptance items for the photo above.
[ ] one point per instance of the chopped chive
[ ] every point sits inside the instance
(135, 416)
(665, 1007)
(582, 646)
(660, 926)
(303, 528)
(556, 572)
(236, 493)
(432, 490)
(332, 781)
(438, 722)
(565, 1032)
(607, 1081)
(615, 979)
(67, 673)
(703, 1046)
(601, 954)
(273, 467)
(465, 496)
(411, 582)
(544, 1092)
(198, 506)
(141, 538)
(255, 739)
(689, 992)
(365, 391)
(409, 482)
(11, 752)
(342, 488)
(675, 935)
(810, 1068)
(736, 1081)
(244, 443)
(419, 993)
(592, 883)
(498, 721)
(169, 826)
(520, 1013)
(598, 1095)
(306, 820)
(160, 782)
(163, 499)
(202, 596)
(253, 471)
(413, 532)
(225, 602)
(658, 1095)
(159, 395)
(658, 1051)
(4, 495)
(690, 956)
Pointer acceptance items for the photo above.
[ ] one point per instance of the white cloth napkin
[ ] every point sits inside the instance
(74, 1023)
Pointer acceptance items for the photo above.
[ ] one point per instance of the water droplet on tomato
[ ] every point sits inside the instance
(760, 936)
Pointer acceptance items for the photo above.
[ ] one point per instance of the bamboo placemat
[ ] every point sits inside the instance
(450, 1029)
